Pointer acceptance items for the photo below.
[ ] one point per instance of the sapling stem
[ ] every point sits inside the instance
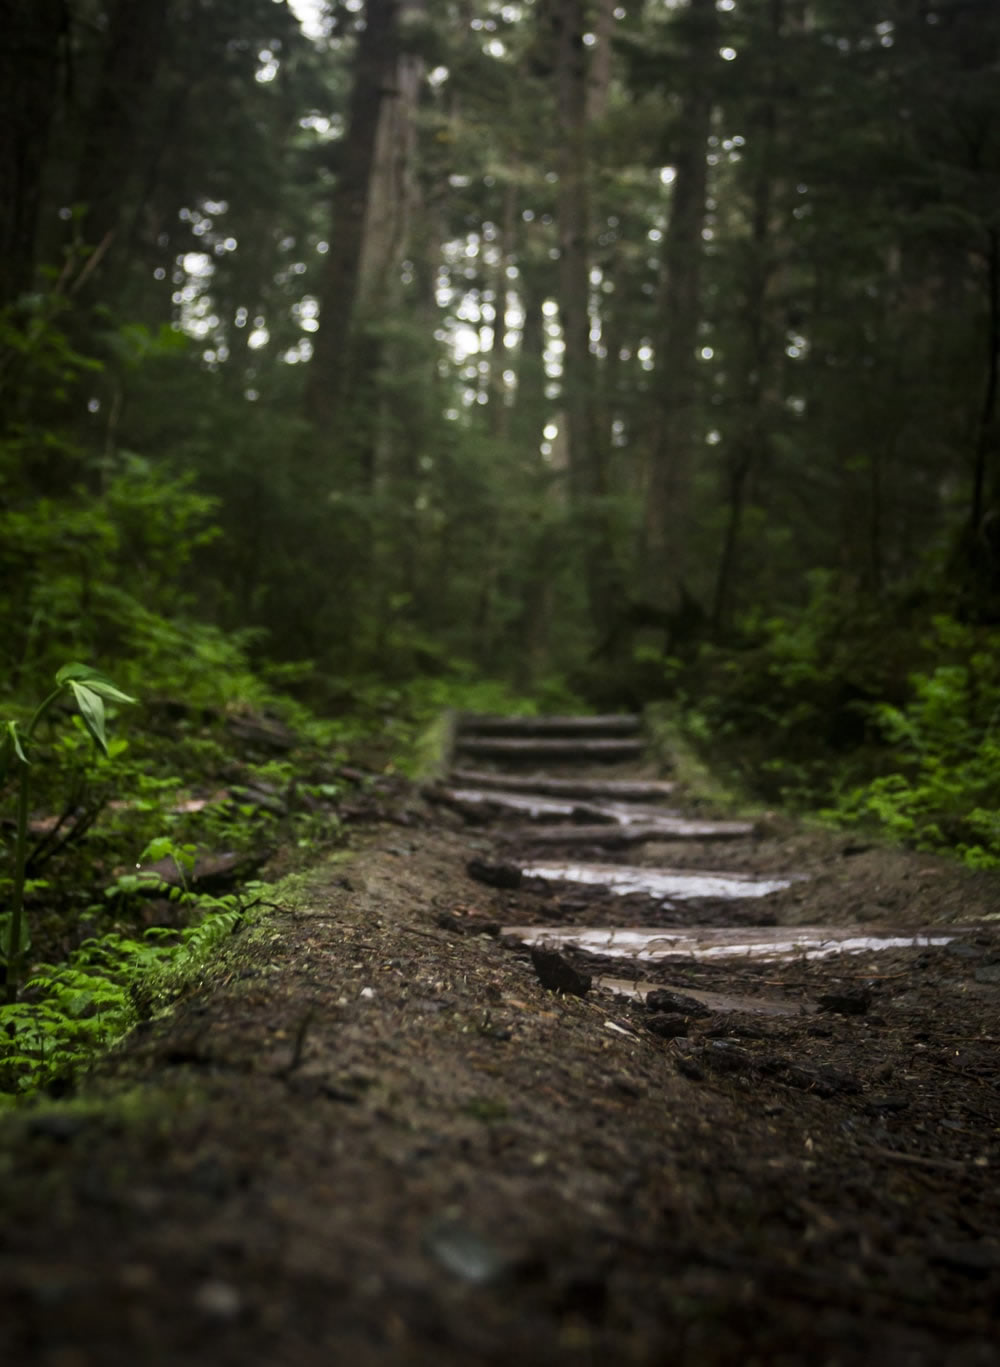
(17, 913)
(21, 859)
(14, 954)
(41, 710)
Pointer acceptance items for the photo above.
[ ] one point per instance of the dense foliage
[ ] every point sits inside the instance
(645, 351)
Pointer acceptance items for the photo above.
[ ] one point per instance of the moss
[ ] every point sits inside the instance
(674, 751)
(432, 749)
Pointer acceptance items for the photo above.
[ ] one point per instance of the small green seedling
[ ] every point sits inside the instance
(88, 688)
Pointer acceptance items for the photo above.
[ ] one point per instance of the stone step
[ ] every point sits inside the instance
(562, 751)
(613, 724)
(617, 836)
(743, 943)
(617, 790)
(479, 804)
(666, 885)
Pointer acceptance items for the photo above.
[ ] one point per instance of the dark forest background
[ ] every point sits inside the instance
(464, 350)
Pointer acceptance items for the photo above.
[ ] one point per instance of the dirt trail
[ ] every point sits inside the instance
(372, 1136)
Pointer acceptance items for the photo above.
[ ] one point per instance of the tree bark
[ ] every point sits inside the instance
(392, 191)
(341, 289)
(599, 82)
(499, 411)
(981, 539)
(115, 135)
(668, 499)
(750, 439)
(573, 225)
(586, 454)
(986, 434)
(528, 416)
(30, 62)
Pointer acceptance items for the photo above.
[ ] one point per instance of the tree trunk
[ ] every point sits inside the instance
(115, 136)
(585, 453)
(599, 82)
(499, 411)
(668, 500)
(750, 438)
(341, 290)
(392, 190)
(982, 535)
(29, 74)
(573, 224)
(986, 436)
(528, 415)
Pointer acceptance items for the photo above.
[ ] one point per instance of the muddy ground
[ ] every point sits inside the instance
(371, 1136)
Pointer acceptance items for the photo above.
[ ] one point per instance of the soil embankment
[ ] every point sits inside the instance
(372, 1136)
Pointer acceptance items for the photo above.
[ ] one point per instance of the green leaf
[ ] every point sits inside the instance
(91, 707)
(15, 741)
(76, 670)
(161, 847)
(108, 690)
(95, 681)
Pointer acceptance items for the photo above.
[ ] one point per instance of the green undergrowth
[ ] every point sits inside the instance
(70, 1011)
(145, 566)
(702, 783)
(73, 1011)
(943, 790)
(431, 707)
(111, 899)
(855, 715)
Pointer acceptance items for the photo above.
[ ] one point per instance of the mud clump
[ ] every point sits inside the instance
(557, 974)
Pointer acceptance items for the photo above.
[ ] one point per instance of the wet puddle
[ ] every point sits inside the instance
(665, 885)
(729, 942)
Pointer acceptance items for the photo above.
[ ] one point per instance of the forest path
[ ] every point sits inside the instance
(371, 1136)
(571, 826)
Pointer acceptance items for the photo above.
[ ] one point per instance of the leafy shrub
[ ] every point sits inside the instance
(850, 710)
(88, 690)
(786, 708)
(944, 788)
(70, 1011)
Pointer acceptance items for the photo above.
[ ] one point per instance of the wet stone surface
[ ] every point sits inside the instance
(662, 885)
(706, 943)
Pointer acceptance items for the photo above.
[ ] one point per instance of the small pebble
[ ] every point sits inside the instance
(219, 1299)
